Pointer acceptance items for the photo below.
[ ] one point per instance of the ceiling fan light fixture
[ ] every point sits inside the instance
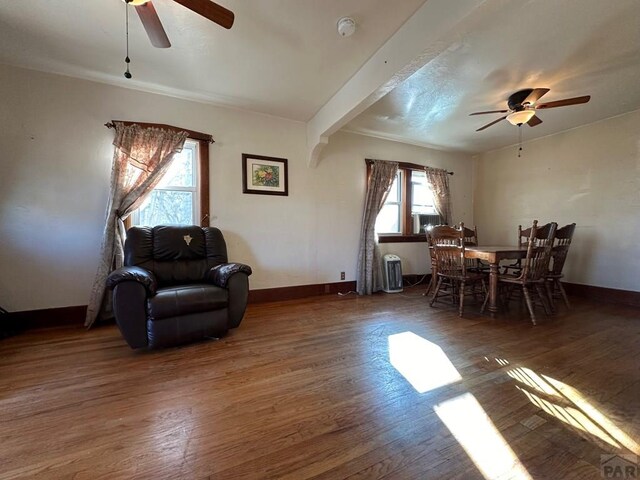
(520, 117)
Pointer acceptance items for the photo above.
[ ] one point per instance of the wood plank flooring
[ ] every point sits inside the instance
(308, 389)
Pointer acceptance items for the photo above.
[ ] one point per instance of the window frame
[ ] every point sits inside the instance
(203, 140)
(400, 174)
(194, 189)
(406, 223)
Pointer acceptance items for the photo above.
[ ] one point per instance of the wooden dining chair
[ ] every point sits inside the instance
(471, 240)
(541, 234)
(534, 268)
(434, 270)
(470, 236)
(448, 246)
(432, 256)
(558, 256)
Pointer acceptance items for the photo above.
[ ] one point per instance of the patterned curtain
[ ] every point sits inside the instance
(141, 157)
(439, 181)
(369, 269)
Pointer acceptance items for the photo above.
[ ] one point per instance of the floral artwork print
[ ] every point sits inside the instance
(265, 176)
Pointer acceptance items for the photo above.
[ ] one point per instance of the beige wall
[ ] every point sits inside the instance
(589, 175)
(351, 150)
(55, 158)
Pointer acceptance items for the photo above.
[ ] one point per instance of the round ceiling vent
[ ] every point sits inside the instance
(346, 26)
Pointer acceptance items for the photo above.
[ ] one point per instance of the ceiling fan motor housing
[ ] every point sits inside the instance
(515, 100)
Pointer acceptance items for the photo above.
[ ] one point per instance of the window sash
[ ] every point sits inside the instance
(196, 201)
(394, 201)
(419, 181)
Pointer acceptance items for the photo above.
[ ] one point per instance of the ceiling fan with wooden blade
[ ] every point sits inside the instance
(153, 26)
(492, 123)
(489, 111)
(565, 102)
(522, 107)
(533, 121)
(210, 10)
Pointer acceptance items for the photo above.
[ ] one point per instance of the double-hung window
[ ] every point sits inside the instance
(389, 220)
(423, 211)
(181, 197)
(409, 207)
(175, 200)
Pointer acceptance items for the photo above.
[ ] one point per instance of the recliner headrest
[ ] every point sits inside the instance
(178, 243)
(174, 243)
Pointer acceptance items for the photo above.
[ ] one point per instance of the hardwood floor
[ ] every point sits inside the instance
(308, 389)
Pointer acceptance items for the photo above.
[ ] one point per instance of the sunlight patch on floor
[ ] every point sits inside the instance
(532, 379)
(570, 416)
(423, 363)
(501, 361)
(592, 412)
(569, 406)
(475, 432)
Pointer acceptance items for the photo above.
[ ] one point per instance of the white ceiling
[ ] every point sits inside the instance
(281, 57)
(573, 47)
(284, 57)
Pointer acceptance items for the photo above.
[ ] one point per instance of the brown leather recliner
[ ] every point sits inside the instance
(177, 286)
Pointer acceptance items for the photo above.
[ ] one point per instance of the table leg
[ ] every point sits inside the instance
(493, 289)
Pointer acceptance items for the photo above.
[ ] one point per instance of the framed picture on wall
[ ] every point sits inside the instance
(264, 175)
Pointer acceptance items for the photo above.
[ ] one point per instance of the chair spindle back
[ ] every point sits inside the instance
(448, 249)
(536, 263)
(561, 247)
(540, 236)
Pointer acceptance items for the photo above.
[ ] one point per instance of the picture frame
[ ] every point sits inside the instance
(264, 175)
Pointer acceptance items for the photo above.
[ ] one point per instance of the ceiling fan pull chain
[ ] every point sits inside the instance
(519, 140)
(127, 60)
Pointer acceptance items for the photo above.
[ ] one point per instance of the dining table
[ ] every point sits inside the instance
(493, 254)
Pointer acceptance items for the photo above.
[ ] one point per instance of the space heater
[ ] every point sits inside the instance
(391, 273)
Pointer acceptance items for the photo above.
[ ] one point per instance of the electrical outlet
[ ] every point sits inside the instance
(341, 275)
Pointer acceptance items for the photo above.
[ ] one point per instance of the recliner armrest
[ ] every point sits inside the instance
(220, 274)
(133, 274)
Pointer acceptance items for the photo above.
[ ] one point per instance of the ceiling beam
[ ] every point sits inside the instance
(423, 37)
